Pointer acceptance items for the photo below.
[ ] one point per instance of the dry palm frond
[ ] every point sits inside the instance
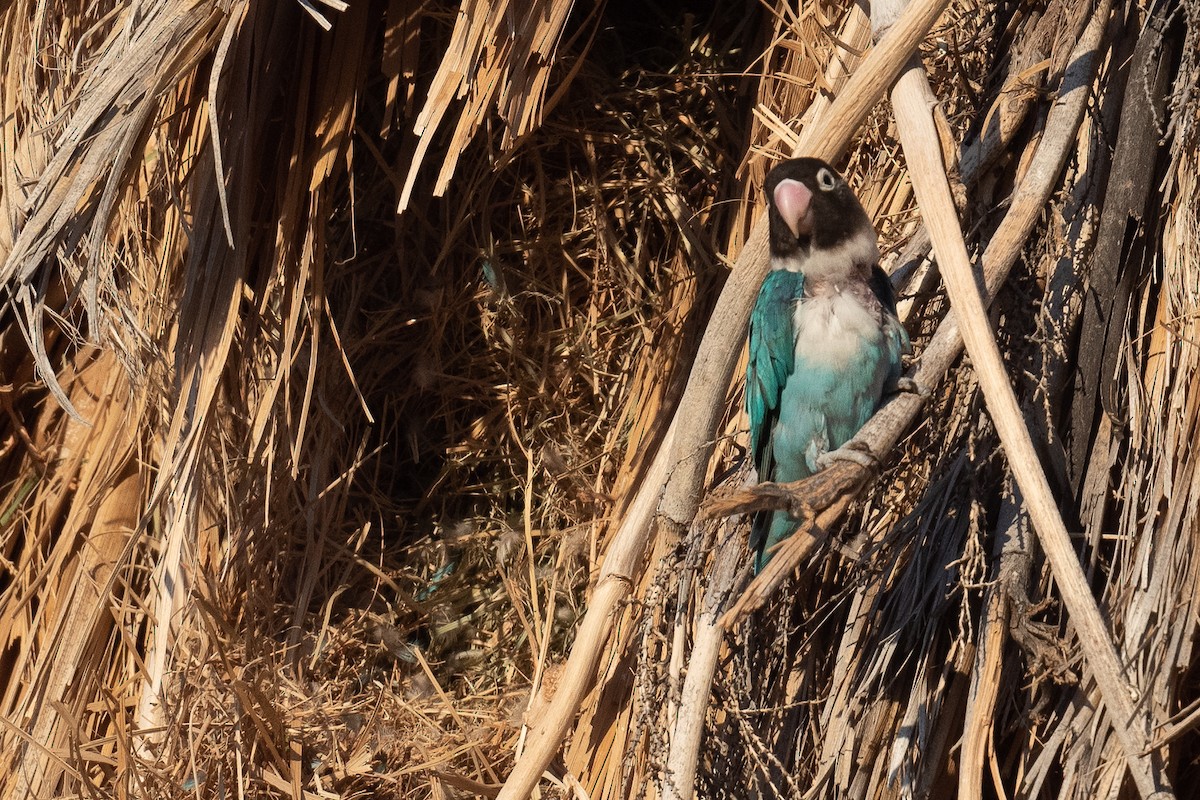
(305, 498)
(297, 384)
(499, 53)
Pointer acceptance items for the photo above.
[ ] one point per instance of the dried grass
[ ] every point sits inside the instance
(343, 484)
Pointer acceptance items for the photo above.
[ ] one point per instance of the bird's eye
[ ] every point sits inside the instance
(825, 179)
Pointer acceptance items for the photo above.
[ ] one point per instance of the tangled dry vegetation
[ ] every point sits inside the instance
(338, 340)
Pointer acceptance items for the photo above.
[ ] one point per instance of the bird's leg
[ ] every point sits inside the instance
(798, 507)
(908, 385)
(801, 510)
(854, 451)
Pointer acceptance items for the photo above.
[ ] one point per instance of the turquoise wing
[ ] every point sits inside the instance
(772, 360)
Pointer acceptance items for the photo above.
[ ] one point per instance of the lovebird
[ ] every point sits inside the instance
(825, 342)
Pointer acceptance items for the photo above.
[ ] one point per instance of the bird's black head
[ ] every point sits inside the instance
(812, 208)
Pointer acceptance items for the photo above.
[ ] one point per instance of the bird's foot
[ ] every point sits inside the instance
(854, 451)
(910, 386)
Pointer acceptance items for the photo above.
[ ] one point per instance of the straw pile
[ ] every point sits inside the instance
(338, 339)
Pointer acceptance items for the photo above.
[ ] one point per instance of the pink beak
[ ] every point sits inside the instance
(794, 201)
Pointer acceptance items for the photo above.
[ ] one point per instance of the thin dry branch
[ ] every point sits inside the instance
(787, 556)
(729, 564)
(817, 501)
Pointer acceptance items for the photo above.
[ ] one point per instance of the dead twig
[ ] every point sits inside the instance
(803, 499)
(729, 567)
(785, 558)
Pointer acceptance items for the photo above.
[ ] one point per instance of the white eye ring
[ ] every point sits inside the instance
(825, 179)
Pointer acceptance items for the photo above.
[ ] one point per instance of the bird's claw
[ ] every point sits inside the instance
(852, 451)
(912, 387)
(800, 510)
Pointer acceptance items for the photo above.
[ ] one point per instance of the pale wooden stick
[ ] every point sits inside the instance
(729, 565)
(912, 101)
(615, 582)
(677, 472)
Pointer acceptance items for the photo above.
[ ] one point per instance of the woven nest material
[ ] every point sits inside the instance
(339, 340)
